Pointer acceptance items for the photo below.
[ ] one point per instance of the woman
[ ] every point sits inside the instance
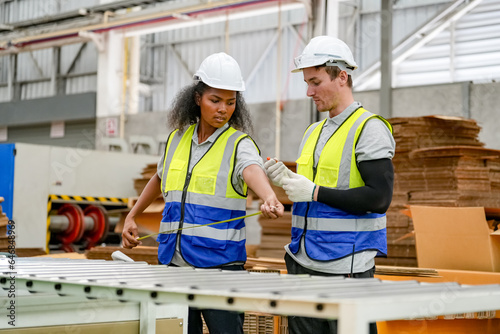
(203, 176)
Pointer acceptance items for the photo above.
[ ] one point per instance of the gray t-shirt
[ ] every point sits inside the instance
(246, 155)
(375, 142)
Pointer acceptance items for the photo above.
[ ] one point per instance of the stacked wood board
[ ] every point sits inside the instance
(28, 252)
(4, 221)
(266, 264)
(439, 161)
(270, 265)
(4, 239)
(139, 253)
(261, 323)
(71, 255)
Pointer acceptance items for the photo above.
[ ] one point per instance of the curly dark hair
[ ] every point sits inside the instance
(185, 112)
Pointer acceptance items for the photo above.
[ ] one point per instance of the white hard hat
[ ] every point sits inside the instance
(220, 70)
(326, 50)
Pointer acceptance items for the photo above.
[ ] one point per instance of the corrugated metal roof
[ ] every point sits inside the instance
(81, 84)
(405, 21)
(467, 50)
(176, 55)
(169, 58)
(34, 65)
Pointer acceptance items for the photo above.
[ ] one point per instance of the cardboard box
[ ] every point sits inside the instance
(455, 238)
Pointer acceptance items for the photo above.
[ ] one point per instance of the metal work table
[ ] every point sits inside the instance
(354, 302)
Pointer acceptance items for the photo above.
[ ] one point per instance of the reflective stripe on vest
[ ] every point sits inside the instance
(332, 233)
(205, 195)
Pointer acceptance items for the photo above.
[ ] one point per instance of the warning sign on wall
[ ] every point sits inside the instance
(57, 129)
(111, 127)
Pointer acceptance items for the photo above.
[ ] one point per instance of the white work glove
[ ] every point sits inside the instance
(299, 188)
(276, 172)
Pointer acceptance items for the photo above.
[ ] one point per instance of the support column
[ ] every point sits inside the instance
(466, 87)
(332, 18)
(12, 77)
(134, 77)
(386, 59)
(277, 129)
(350, 320)
(319, 27)
(56, 71)
(147, 317)
(110, 76)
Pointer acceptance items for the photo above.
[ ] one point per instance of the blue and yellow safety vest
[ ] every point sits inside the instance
(202, 196)
(330, 233)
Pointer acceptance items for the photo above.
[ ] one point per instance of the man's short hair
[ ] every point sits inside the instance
(334, 71)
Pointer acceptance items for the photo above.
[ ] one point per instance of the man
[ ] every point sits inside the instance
(343, 185)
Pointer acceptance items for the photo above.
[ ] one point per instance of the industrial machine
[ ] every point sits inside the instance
(63, 198)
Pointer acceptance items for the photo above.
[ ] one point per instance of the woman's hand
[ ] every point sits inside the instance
(130, 233)
(272, 208)
(256, 179)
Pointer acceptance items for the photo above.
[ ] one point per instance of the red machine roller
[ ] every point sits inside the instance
(99, 230)
(74, 230)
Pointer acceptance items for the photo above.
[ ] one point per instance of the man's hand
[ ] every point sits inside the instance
(130, 234)
(276, 171)
(299, 188)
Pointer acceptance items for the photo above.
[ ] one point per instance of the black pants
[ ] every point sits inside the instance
(218, 322)
(303, 325)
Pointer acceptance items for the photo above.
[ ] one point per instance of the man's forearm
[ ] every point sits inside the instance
(375, 196)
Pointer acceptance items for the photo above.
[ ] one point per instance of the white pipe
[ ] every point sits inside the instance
(162, 26)
(277, 144)
(124, 86)
(131, 23)
(133, 87)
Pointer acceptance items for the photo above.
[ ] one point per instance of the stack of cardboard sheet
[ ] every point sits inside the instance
(456, 176)
(276, 233)
(147, 173)
(439, 161)
(430, 131)
(400, 242)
